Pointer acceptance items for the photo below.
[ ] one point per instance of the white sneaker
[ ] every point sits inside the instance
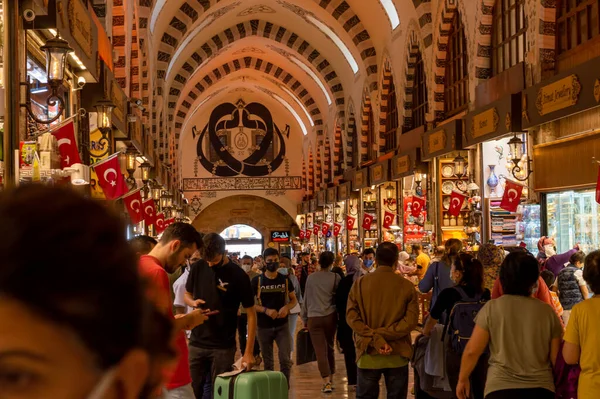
(327, 388)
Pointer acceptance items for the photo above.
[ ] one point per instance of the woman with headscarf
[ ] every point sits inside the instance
(491, 257)
(344, 335)
(548, 258)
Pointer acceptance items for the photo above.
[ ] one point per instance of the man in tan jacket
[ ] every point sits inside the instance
(383, 309)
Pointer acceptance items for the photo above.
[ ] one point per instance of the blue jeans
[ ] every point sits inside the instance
(396, 383)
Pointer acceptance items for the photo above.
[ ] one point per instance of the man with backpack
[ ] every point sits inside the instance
(272, 290)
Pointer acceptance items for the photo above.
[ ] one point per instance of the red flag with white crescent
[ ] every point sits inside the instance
(302, 234)
(316, 229)
(598, 188)
(159, 224)
(325, 229)
(337, 227)
(350, 221)
(308, 234)
(512, 196)
(456, 202)
(169, 222)
(110, 178)
(418, 205)
(367, 220)
(133, 204)
(67, 145)
(388, 219)
(149, 211)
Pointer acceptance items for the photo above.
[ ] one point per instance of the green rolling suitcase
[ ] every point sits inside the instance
(252, 385)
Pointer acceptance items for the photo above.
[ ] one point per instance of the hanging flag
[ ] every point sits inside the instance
(133, 204)
(110, 178)
(159, 224)
(367, 220)
(388, 219)
(316, 229)
(598, 188)
(350, 221)
(149, 211)
(418, 205)
(169, 222)
(302, 234)
(307, 234)
(337, 227)
(67, 145)
(325, 229)
(456, 202)
(512, 196)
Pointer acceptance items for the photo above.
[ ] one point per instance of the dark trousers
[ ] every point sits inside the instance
(208, 362)
(281, 336)
(477, 378)
(528, 393)
(322, 335)
(396, 383)
(347, 345)
(243, 335)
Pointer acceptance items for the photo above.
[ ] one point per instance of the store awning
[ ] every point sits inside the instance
(442, 140)
(494, 120)
(380, 172)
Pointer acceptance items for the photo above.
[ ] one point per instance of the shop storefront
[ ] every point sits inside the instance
(347, 200)
(367, 210)
(311, 238)
(386, 196)
(320, 221)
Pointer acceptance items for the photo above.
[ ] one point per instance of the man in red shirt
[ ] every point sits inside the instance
(177, 244)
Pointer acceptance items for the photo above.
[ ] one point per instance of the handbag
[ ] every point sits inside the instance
(305, 352)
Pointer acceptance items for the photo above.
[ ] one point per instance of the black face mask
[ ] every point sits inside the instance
(272, 266)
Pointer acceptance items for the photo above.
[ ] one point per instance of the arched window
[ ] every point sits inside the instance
(577, 21)
(456, 84)
(419, 98)
(508, 34)
(391, 120)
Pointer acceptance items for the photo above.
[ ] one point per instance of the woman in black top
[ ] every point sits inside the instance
(467, 273)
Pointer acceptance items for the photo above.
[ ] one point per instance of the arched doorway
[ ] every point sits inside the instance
(243, 240)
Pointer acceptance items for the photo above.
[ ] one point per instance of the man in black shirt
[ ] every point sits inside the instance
(304, 269)
(272, 291)
(217, 284)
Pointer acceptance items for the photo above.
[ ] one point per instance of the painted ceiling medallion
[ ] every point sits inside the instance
(257, 9)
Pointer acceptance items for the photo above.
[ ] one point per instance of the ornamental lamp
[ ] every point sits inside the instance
(389, 191)
(56, 50)
(460, 166)
(145, 168)
(104, 109)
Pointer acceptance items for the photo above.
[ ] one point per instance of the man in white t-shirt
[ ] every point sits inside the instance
(179, 288)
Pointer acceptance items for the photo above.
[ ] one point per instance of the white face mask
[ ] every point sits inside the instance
(102, 387)
(247, 268)
(549, 250)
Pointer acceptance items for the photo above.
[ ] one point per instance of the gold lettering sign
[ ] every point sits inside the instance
(116, 95)
(485, 123)
(80, 25)
(358, 179)
(330, 196)
(558, 95)
(321, 197)
(402, 164)
(343, 192)
(378, 173)
(437, 141)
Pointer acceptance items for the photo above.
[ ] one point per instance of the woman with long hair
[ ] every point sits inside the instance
(438, 273)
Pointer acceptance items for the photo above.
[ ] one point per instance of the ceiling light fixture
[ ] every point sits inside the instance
(338, 42)
(392, 13)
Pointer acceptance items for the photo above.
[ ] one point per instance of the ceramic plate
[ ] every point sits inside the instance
(447, 187)
(447, 171)
(461, 185)
(446, 203)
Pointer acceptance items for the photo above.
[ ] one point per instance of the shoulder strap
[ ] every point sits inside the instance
(260, 281)
(466, 298)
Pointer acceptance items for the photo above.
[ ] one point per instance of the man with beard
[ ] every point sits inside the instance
(177, 244)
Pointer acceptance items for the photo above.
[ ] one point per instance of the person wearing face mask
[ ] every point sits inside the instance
(368, 260)
(549, 259)
(287, 269)
(246, 264)
(275, 296)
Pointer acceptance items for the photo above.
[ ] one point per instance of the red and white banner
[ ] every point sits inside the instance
(367, 220)
(512, 196)
(350, 222)
(159, 224)
(110, 178)
(302, 235)
(316, 229)
(149, 210)
(308, 234)
(388, 219)
(67, 145)
(169, 222)
(325, 229)
(598, 188)
(133, 204)
(337, 227)
(418, 205)
(456, 203)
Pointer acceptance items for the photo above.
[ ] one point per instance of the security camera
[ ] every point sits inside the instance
(28, 15)
(81, 82)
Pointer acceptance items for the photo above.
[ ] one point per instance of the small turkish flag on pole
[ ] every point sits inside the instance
(418, 205)
(456, 202)
(350, 221)
(367, 220)
(302, 234)
(149, 211)
(512, 196)
(316, 229)
(337, 227)
(159, 224)
(308, 234)
(388, 219)
(598, 188)
(67, 145)
(110, 178)
(325, 228)
(133, 203)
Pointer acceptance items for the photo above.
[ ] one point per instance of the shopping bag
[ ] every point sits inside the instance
(305, 353)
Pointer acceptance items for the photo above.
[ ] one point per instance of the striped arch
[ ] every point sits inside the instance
(367, 111)
(319, 170)
(423, 8)
(223, 71)
(546, 34)
(311, 172)
(304, 178)
(338, 152)
(258, 28)
(387, 80)
(327, 160)
(412, 52)
(352, 140)
(483, 37)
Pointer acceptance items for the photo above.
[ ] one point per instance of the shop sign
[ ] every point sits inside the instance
(331, 195)
(379, 172)
(437, 141)
(81, 26)
(118, 98)
(305, 207)
(402, 165)
(360, 179)
(485, 123)
(321, 198)
(558, 95)
(342, 191)
(280, 236)
(313, 205)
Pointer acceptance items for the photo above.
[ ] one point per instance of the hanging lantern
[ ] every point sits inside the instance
(156, 191)
(56, 50)
(460, 166)
(131, 160)
(104, 109)
(516, 149)
(145, 168)
(390, 191)
(368, 196)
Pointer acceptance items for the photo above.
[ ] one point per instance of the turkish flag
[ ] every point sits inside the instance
(388, 219)
(169, 222)
(110, 178)
(598, 188)
(418, 205)
(133, 204)
(367, 220)
(350, 221)
(308, 233)
(337, 227)
(316, 229)
(159, 224)
(456, 203)
(149, 211)
(302, 234)
(512, 196)
(325, 228)
(67, 145)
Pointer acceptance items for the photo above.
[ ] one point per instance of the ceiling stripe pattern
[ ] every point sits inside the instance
(423, 8)
(384, 107)
(409, 85)
(350, 139)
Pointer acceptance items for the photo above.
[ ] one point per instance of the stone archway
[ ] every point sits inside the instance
(257, 212)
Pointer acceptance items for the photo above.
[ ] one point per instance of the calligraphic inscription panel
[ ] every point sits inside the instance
(243, 183)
